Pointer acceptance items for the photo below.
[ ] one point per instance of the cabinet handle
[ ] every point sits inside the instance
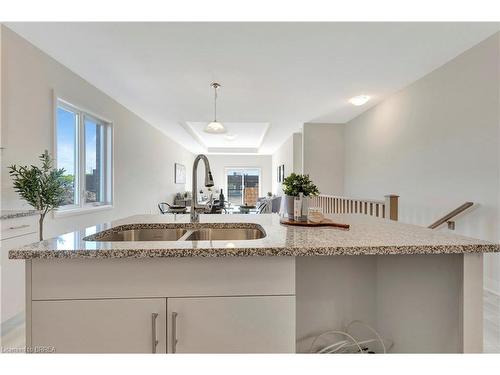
(20, 226)
(154, 342)
(174, 332)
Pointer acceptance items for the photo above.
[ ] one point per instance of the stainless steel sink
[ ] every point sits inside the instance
(225, 234)
(144, 234)
(179, 233)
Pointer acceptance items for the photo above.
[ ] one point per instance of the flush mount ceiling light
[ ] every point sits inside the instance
(230, 137)
(359, 100)
(215, 127)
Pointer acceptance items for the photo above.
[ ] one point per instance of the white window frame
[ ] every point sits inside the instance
(80, 207)
(226, 169)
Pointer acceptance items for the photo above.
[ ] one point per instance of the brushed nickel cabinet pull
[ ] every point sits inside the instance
(154, 342)
(174, 332)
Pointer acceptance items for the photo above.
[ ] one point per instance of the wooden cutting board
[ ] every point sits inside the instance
(324, 223)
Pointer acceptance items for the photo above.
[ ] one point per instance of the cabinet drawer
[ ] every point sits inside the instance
(162, 277)
(18, 226)
(100, 326)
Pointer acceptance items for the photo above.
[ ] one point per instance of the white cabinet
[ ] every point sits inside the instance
(14, 233)
(261, 324)
(264, 324)
(222, 305)
(19, 226)
(100, 326)
(13, 278)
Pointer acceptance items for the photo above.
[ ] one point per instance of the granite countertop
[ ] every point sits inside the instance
(366, 236)
(14, 214)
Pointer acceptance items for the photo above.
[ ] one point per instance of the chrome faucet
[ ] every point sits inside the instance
(209, 181)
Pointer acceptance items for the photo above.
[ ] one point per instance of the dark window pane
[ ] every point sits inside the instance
(243, 186)
(234, 187)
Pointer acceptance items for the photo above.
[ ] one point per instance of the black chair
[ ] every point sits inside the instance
(171, 208)
(163, 207)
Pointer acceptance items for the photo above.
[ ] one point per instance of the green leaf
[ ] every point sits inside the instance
(295, 184)
(42, 187)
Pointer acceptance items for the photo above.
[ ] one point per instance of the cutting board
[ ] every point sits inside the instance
(324, 223)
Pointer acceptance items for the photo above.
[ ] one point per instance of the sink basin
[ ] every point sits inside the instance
(180, 232)
(144, 234)
(225, 234)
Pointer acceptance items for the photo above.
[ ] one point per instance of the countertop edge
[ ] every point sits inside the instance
(26, 254)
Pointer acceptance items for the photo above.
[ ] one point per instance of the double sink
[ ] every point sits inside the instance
(180, 232)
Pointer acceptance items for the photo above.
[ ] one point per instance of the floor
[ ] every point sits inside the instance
(491, 330)
(14, 340)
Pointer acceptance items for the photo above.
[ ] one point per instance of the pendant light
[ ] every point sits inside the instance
(215, 127)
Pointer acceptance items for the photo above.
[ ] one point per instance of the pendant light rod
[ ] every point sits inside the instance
(215, 85)
(215, 127)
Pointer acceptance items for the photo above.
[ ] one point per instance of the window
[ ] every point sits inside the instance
(67, 129)
(243, 185)
(83, 149)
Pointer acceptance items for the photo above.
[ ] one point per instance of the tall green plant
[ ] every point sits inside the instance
(42, 187)
(295, 184)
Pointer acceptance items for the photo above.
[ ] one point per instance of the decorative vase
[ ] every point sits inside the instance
(290, 201)
(305, 208)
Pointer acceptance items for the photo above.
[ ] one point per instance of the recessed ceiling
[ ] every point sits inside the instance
(283, 74)
(240, 137)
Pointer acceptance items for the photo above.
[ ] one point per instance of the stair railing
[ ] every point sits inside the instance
(447, 218)
(331, 204)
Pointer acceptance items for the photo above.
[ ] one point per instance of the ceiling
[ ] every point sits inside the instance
(274, 76)
(240, 137)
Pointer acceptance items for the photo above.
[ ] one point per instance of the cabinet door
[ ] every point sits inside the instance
(100, 326)
(264, 324)
(13, 300)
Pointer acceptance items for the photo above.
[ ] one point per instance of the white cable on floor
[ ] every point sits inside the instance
(344, 345)
(338, 333)
(371, 329)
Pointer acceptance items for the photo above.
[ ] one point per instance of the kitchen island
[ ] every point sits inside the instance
(94, 291)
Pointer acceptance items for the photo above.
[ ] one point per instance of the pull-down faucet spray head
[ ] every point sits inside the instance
(209, 180)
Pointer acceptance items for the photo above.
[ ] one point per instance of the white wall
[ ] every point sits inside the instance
(218, 163)
(436, 144)
(288, 154)
(297, 153)
(143, 156)
(323, 156)
(1, 127)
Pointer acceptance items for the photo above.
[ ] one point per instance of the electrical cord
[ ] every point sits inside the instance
(338, 333)
(346, 346)
(371, 329)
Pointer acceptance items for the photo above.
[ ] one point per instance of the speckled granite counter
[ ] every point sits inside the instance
(14, 214)
(366, 236)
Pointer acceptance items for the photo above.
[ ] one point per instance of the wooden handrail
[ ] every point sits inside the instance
(451, 215)
(332, 204)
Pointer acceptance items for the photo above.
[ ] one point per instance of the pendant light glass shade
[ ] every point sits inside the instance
(215, 127)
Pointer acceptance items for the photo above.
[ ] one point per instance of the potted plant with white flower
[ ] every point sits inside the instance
(296, 185)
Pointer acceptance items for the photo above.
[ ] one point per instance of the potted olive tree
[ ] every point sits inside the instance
(43, 187)
(294, 186)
